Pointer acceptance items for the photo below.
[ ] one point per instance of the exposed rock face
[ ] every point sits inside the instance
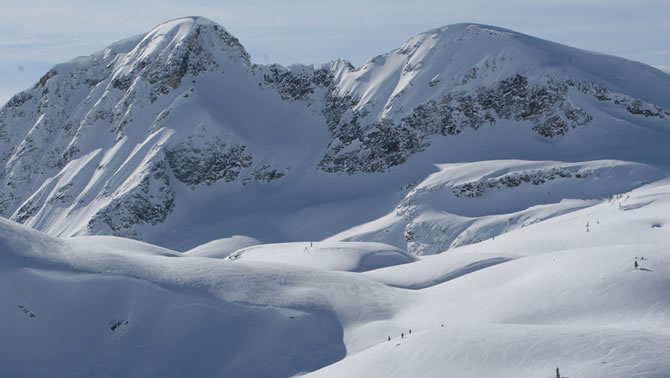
(209, 164)
(265, 174)
(150, 201)
(293, 85)
(536, 177)
(386, 143)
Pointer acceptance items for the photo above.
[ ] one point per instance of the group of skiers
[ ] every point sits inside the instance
(311, 244)
(402, 335)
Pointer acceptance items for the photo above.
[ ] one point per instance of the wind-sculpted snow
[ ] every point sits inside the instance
(160, 131)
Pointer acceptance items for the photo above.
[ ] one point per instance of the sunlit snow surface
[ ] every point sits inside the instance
(558, 293)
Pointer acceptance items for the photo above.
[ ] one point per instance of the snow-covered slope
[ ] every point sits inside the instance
(553, 294)
(469, 202)
(178, 130)
(338, 256)
(222, 248)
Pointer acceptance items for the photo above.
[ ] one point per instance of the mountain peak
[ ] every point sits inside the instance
(196, 34)
(184, 26)
(468, 28)
(461, 32)
(173, 49)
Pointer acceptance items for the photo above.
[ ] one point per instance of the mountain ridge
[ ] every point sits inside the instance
(142, 137)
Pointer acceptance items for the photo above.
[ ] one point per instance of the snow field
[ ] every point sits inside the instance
(519, 305)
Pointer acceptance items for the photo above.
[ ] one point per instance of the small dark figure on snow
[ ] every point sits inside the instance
(410, 331)
(636, 264)
(558, 374)
(402, 335)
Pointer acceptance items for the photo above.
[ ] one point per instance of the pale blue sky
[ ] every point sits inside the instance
(35, 35)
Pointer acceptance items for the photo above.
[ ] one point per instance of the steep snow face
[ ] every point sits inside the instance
(178, 130)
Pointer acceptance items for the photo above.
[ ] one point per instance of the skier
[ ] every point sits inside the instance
(636, 264)
(410, 331)
(558, 374)
(402, 335)
(389, 338)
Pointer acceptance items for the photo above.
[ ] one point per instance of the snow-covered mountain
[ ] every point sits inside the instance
(292, 219)
(177, 130)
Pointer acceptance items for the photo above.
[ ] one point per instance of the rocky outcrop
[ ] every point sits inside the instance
(632, 105)
(296, 84)
(534, 177)
(149, 202)
(208, 163)
(376, 147)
